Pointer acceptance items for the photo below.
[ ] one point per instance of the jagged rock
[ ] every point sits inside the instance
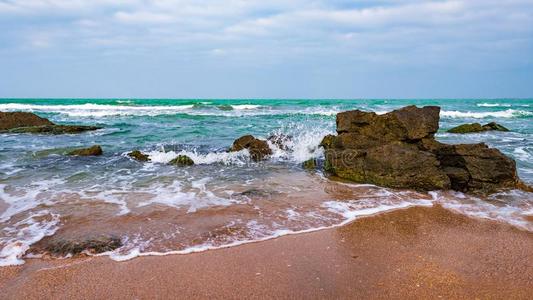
(476, 127)
(258, 149)
(25, 122)
(93, 245)
(91, 151)
(138, 155)
(310, 164)
(181, 161)
(398, 149)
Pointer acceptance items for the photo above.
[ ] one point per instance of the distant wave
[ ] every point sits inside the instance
(510, 113)
(493, 105)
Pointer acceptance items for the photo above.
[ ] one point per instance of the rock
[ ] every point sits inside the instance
(476, 127)
(181, 161)
(25, 122)
(398, 150)
(256, 193)
(91, 151)
(10, 120)
(92, 245)
(21, 122)
(53, 129)
(258, 149)
(310, 164)
(138, 155)
(494, 126)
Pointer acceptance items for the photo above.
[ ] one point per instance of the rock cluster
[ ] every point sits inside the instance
(398, 150)
(25, 122)
(258, 149)
(476, 127)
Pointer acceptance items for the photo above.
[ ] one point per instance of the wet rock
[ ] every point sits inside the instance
(138, 155)
(10, 120)
(258, 149)
(91, 151)
(53, 129)
(182, 161)
(24, 122)
(280, 140)
(93, 246)
(398, 150)
(310, 164)
(476, 127)
(256, 193)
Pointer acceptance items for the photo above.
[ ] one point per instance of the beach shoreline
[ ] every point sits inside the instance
(418, 252)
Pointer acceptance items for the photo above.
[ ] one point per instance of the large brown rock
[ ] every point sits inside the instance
(25, 122)
(258, 149)
(10, 120)
(95, 150)
(398, 149)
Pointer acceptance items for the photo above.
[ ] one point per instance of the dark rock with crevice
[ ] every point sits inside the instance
(399, 150)
(259, 149)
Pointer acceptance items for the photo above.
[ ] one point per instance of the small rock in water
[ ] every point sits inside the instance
(91, 245)
(310, 164)
(258, 149)
(91, 151)
(138, 155)
(181, 161)
(476, 127)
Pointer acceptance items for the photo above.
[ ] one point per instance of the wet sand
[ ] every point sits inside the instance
(413, 253)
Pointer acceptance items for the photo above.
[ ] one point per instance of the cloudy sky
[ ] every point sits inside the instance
(266, 48)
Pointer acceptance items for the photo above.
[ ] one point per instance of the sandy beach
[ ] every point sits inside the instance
(413, 253)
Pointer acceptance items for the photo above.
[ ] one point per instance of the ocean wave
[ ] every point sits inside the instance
(493, 105)
(510, 113)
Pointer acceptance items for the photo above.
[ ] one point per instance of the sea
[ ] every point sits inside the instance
(225, 199)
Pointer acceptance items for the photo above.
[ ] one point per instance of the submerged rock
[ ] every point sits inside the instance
(138, 155)
(92, 245)
(476, 127)
(398, 150)
(91, 151)
(181, 161)
(310, 164)
(258, 149)
(25, 122)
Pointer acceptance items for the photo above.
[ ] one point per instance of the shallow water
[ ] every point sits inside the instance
(225, 199)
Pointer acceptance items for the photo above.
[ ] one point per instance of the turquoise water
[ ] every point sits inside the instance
(156, 208)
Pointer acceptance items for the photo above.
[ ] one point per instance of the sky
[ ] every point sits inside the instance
(266, 49)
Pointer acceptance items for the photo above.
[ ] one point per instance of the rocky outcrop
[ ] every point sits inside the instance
(182, 161)
(476, 127)
(280, 140)
(91, 151)
(398, 150)
(25, 122)
(138, 155)
(258, 149)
